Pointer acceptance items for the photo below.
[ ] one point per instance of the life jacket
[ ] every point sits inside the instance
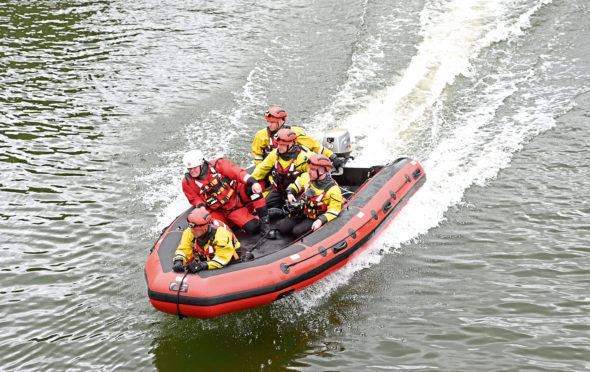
(218, 190)
(271, 144)
(283, 176)
(314, 206)
(208, 252)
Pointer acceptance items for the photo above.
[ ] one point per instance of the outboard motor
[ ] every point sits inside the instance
(338, 140)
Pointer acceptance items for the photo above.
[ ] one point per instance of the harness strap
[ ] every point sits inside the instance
(217, 187)
(283, 176)
(314, 205)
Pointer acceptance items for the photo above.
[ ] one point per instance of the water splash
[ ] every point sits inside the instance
(453, 32)
(467, 148)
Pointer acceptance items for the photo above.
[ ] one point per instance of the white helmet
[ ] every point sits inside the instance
(193, 158)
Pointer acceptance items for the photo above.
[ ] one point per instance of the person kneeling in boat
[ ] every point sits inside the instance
(265, 139)
(221, 186)
(206, 244)
(320, 198)
(285, 163)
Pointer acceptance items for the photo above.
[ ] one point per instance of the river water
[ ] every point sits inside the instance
(487, 267)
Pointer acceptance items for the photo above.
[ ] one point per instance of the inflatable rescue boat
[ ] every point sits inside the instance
(373, 197)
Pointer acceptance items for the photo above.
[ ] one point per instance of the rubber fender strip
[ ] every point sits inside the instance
(285, 294)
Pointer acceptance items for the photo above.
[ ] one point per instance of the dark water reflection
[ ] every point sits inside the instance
(273, 337)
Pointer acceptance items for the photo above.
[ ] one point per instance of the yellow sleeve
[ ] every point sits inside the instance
(334, 198)
(326, 151)
(224, 248)
(265, 166)
(312, 144)
(185, 247)
(258, 145)
(299, 184)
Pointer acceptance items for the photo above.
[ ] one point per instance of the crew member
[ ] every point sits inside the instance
(285, 164)
(206, 244)
(221, 186)
(320, 198)
(264, 140)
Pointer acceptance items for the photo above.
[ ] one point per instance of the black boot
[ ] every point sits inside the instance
(267, 229)
(247, 256)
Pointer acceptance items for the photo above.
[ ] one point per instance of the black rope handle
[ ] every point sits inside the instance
(180, 315)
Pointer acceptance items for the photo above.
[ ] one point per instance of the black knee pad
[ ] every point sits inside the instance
(302, 228)
(285, 226)
(252, 226)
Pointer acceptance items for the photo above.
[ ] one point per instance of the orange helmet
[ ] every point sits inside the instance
(286, 137)
(276, 114)
(317, 161)
(199, 218)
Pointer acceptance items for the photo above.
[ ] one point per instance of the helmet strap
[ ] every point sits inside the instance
(290, 154)
(204, 170)
(324, 183)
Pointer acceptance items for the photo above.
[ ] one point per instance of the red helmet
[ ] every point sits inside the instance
(286, 137)
(318, 161)
(199, 218)
(276, 114)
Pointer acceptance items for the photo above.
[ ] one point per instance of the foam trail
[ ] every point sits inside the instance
(453, 33)
(470, 153)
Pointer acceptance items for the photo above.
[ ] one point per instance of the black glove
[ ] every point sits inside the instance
(195, 267)
(251, 181)
(177, 266)
(337, 162)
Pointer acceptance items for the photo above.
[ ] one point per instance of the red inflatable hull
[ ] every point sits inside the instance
(268, 278)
